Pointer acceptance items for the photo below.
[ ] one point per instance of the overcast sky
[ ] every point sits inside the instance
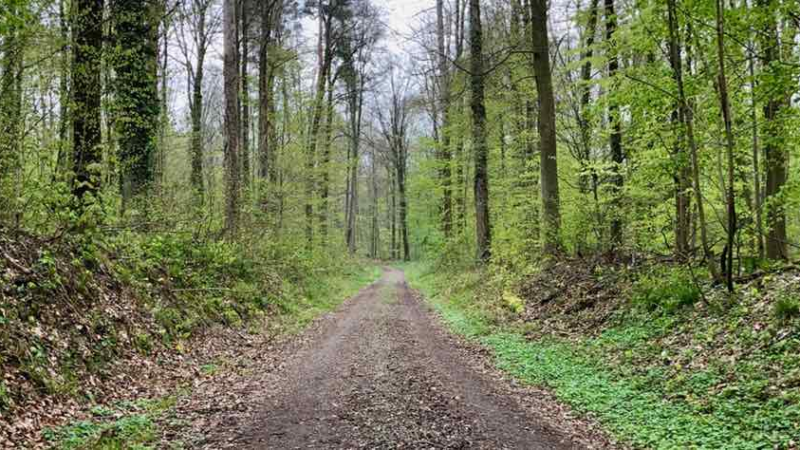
(399, 16)
(402, 16)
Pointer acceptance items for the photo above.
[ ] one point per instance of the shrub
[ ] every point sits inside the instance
(787, 307)
(668, 290)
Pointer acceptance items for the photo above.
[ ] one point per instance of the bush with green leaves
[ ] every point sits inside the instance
(666, 289)
(787, 307)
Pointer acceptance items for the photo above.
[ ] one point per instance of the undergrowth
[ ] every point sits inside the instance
(673, 368)
(126, 425)
(70, 307)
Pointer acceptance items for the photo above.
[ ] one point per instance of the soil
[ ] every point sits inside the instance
(378, 373)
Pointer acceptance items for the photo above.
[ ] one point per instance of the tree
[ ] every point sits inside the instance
(444, 107)
(358, 32)
(681, 172)
(546, 128)
(232, 112)
(202, 23)
(394, 126)
(271, 21)
(727, 262)
(138, 104)
(774, 148)
(481, 186)
(686, 117)
(615, 138)
(245, 18)
(12, 49)
(86, 97)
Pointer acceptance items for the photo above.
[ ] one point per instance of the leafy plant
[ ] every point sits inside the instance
(787, 307)
(5, 399)
(668, 290)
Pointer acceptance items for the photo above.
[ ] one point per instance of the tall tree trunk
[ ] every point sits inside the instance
(355, 85)
(10, 116)
(776, 159)
(444, 106)
(615, 138)
(481, 186)
(681, 175)
(686, 117)
(161, 160)
(196, 105)
(87, 93)
(325, 165)
(374, 234)
(584, 114)
(271, 17)
(586, 77)
(401, 187)
(325, 57)
(546, 127)
(245, 95)
(138, 105)
(729, 145)
(393, 211)
(758, 197)
(232, 112)
(63, 158)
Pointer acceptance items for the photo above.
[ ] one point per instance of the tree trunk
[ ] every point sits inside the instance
(245, 95)
(615, 138)
(325, 165)
(481, 186)
(63, 159)
(393, 210)
(161, 161)
(776, 160)
(729, 147)
(586, 78)
(232, 111)
(196, 106)
(136, 69)
(271, 12)
(444, 106)
(758, 197)
(687, 118)
(401, 187)
(10, 117)
(374, 233)
(355, 86)
(546, 128)
(325, 57)
(87, 93)
(681, 175)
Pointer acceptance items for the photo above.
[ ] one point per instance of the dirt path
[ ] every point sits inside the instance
(381, 373)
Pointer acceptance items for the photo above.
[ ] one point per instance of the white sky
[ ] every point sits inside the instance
(402, 17)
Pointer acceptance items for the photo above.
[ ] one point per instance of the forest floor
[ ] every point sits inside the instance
(379, 372)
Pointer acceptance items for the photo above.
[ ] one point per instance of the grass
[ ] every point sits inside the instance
(301, 307)
(127, 425)
(639, 378)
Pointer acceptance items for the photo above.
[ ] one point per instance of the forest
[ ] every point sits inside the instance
(205, 200)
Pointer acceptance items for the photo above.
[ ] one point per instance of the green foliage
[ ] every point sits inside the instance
(787, 307)
(5, 400)
(666, 289)
(128, 425)
(653, 382)
(131, 432)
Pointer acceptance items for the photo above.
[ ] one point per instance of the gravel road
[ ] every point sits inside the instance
(382, 373)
